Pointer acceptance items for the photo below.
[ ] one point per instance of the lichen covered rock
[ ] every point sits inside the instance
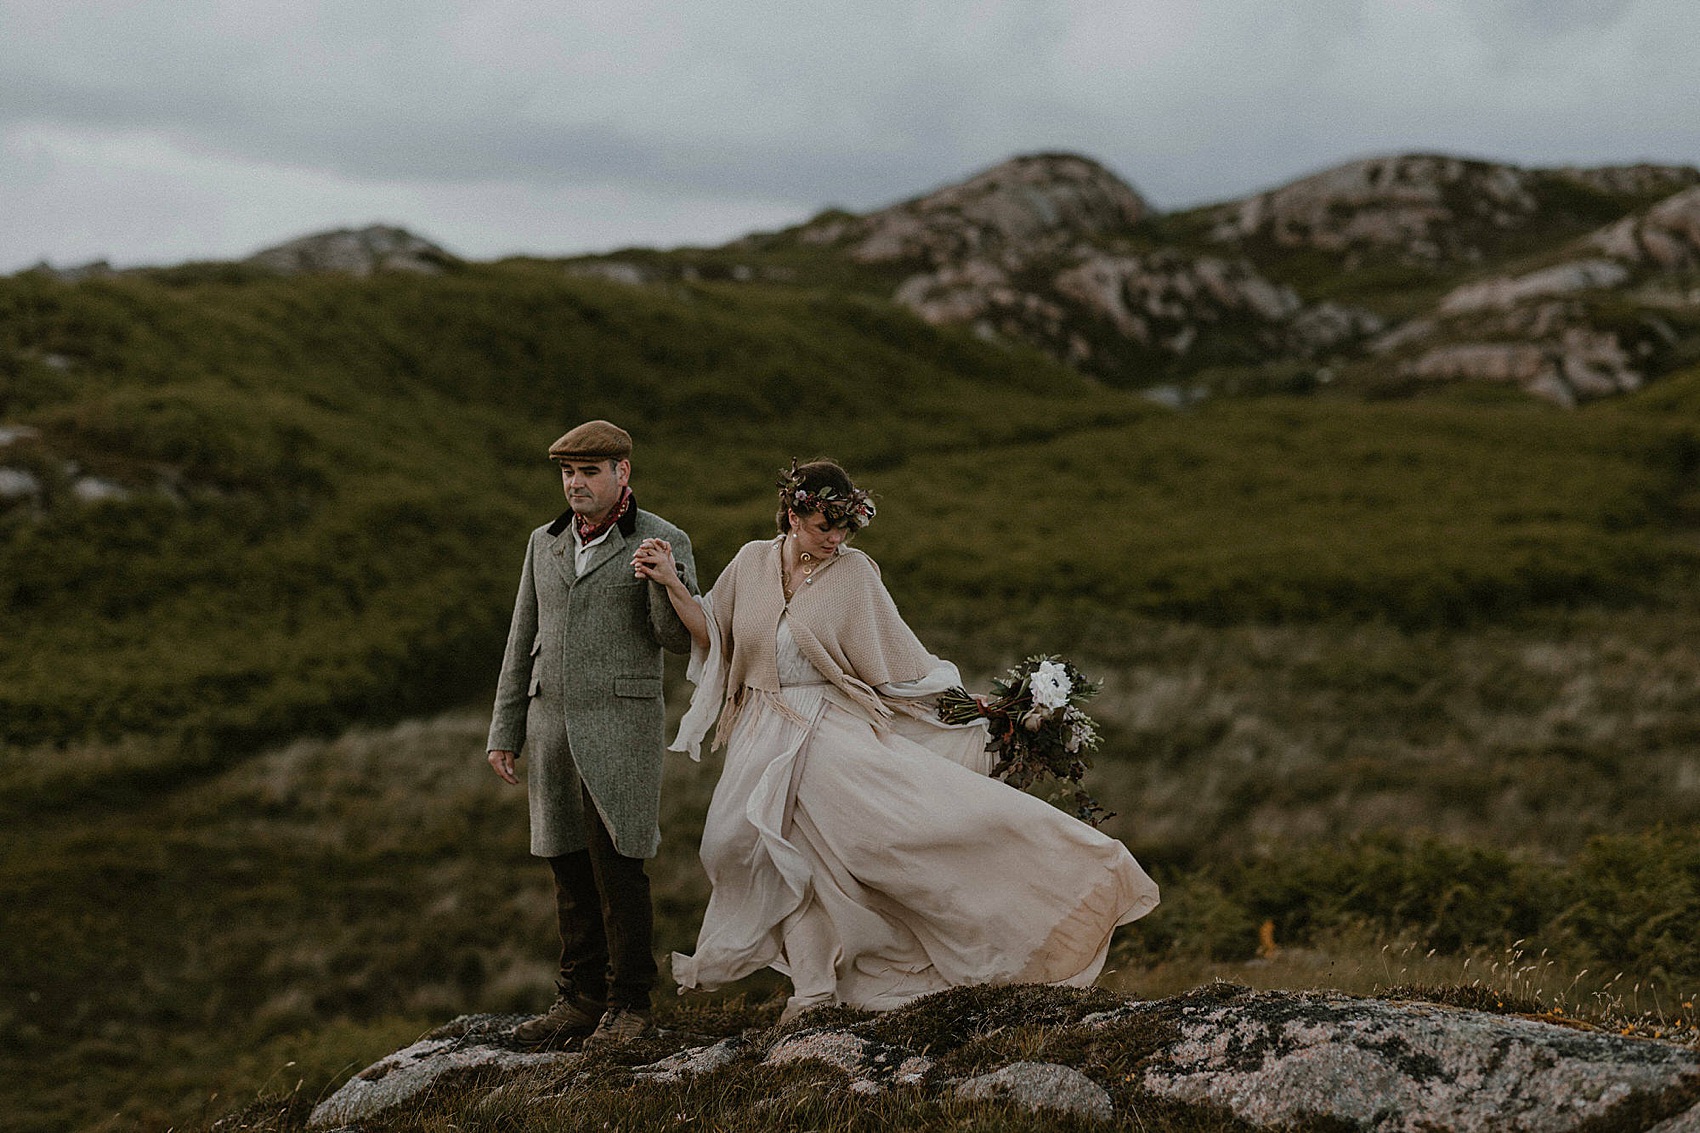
(1274, 1058)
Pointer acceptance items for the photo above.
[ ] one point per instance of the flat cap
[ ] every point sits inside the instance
(593, 440)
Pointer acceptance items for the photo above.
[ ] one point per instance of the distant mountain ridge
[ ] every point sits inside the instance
(1388, 274)
(1382, 276)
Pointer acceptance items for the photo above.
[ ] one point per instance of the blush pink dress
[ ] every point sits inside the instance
(875, 864)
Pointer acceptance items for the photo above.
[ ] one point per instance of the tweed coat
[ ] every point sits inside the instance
(580, 689)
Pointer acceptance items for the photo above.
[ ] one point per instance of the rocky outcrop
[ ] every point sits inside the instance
(94, 269)
(469, 1043)
(1042, 1087)
(1088, 308)
(1425, 206)
(1273, 1060)
(1643, 180)
(354, 251)
(1506, 292)
(1666, 236)
(1026, 204)
(1410, 202)
(1279, 1059)
(1537, 329)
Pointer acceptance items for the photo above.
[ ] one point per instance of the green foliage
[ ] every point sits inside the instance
(1626, 902)
(333, 476)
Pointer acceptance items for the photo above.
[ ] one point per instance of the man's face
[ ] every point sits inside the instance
(593, 486)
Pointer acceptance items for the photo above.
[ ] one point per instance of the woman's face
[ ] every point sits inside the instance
(815, 536)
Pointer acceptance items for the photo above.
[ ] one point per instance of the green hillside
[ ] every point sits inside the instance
(332, 480)
(1431, 659)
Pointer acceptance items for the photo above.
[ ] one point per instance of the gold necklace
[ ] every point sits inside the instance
(808, 564)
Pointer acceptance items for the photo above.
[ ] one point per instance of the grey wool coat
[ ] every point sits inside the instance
(580, 690)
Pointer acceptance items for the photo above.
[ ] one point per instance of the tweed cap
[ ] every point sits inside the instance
(593, 440)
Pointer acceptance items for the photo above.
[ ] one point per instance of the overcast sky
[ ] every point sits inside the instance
(157, 131)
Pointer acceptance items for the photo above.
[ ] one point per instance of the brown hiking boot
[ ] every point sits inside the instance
(620, 1024)
(571, 1016)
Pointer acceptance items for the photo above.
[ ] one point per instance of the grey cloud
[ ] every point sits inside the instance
(811, 104)
(1513, 21)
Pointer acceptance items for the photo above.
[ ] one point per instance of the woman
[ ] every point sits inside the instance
(854, 842)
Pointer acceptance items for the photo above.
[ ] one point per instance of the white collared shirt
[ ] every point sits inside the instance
(581, 550)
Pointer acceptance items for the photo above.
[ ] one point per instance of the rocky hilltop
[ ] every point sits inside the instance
(1021, 206)
(354, 251)
(1396, 274)
(1424, 205)
(1599, 321)
(1056, 251)
(1222, 1056)
(1391, 275)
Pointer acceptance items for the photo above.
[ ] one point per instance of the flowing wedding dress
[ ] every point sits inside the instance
(874, 864)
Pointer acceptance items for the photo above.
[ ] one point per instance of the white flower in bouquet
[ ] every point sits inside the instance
(1035, 729)
(1050, 686)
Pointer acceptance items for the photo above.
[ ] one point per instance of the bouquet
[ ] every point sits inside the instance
(1038, 730)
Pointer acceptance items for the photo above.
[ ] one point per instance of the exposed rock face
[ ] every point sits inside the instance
(1279, 1058)
(1041, 200)
(19, 484)
(1043, 1086)
(1505, 293)
(1408, 202)
(1423, 205)
(1162, 302)
(1666, 236)
(349, 251)
(471, 1042)
(1644, 180)
(1275, 1060)
(94, 269)
(1536, 330)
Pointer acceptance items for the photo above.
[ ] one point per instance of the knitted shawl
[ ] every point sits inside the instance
(844, 622)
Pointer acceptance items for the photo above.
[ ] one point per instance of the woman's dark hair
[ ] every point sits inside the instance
(811, 478)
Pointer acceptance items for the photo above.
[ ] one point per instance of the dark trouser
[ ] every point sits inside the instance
(602, 906)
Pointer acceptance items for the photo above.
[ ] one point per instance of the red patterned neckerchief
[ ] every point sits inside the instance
(588, 534)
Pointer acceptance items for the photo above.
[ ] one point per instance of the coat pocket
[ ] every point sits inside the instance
(646, 688)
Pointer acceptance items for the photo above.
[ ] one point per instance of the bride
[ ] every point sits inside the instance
(854, 842)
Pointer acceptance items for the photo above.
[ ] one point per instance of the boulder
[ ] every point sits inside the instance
(1039, 1086)
(1283, 1058)
(468, 1043)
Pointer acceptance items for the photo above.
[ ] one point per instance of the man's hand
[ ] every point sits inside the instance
(503, 762)
(654, 561)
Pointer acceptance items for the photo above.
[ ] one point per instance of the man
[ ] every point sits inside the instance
(580, 692)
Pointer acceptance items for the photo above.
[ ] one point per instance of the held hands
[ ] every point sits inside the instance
(654, 561)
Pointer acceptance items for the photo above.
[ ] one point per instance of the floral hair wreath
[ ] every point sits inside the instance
(857, 508)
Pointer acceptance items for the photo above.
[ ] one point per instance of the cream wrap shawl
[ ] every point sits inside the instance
(844, 622)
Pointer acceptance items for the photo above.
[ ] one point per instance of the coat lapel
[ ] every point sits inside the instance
(561, 550)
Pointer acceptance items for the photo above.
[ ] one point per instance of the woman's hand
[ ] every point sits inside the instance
(654, 561)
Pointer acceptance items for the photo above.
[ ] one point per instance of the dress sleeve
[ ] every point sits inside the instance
(707, 670)
(943, 675)
(915, 717)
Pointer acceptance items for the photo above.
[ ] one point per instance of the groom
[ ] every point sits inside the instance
(580, 693)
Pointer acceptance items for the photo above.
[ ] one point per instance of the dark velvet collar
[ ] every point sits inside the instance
(627, 522)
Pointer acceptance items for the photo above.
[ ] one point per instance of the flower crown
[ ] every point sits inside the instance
(857, 508)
